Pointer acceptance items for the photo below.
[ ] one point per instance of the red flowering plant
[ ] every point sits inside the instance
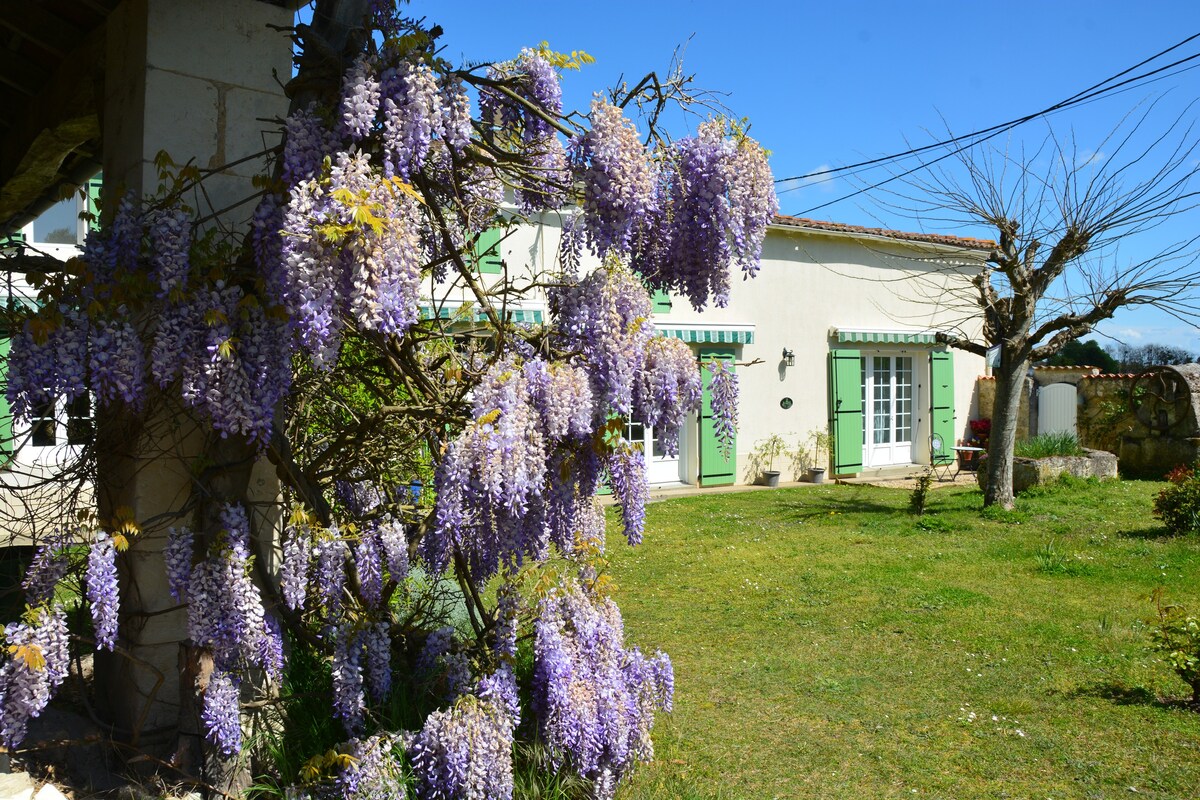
(981, 432)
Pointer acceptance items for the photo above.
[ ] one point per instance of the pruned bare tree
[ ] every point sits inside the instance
(1059, 217)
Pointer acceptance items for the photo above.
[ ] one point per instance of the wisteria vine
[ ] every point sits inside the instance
(382, 191)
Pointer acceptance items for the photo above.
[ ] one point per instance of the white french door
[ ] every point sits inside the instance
(889, 397)
(660, 468)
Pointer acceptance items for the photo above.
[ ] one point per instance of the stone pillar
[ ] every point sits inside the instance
(195, 79)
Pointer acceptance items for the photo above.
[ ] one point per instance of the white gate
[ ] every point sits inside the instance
(1056, 408)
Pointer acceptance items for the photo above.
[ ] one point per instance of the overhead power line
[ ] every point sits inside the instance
(1109, 85)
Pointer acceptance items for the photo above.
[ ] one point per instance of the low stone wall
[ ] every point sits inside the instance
(1029, 472)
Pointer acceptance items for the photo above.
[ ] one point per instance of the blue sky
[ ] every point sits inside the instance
(828, 84)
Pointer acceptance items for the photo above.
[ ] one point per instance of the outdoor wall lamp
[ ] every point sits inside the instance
(789, 358)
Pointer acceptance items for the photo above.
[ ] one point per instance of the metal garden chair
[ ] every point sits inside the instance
(941, 458)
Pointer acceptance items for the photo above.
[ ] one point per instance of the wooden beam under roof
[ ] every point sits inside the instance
(20, 73)
(37, 23)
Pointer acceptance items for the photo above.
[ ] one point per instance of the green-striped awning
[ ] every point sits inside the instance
(887, 337)
(533, 316)
(709, 335)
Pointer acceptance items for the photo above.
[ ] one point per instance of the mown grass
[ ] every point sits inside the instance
(829, 644)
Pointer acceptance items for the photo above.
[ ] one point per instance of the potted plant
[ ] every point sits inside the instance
(821, 441)
(762, 458)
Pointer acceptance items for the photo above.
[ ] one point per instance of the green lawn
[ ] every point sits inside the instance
(827, 644)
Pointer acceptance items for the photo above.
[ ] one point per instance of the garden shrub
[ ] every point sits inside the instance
(1178, 505)
(1177, 637)
(920, 493)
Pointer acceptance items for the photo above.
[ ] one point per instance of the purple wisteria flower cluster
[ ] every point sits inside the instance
(37, 664)
(226, 616)
(723, 386)
(228, 351)
(528, 120)
(715, 199)
(666, 389)
(102, 592)
(595, 699)
(352, 255)
(619, 179)
(465, 751)
(606, 317)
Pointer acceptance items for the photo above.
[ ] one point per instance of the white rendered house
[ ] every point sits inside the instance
(837, 332)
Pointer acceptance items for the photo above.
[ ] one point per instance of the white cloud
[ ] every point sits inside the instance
(819, 177)
(1126, 334)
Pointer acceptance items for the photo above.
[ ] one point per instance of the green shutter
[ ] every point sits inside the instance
(941, 402)
(93, 201)
(487, 252)
(6, 420)
(661, 301)
(845, 410)
(715, 468)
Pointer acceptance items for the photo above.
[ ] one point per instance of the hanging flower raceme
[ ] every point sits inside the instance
(221, 711)
(618, 179)
(170, 239)
(37, 664)
(372, 772)
(48, 567)
(492, 478)
(360, 98)
(723, 386)
(411, 109)
(627, 469)
(529, 127)
(352, 252)
(102, 591)
(226, 616)
(714, 200)
(667, 389)
(293, 571)
(594, 700)
(116, 362)
(752, 203)
(225, 610)
(606, 316)
(47, 360)
(464, 751)
(306, 144)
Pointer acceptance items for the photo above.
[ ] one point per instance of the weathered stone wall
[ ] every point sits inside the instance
(1152, 439)
(985, 389)
(1104, 413)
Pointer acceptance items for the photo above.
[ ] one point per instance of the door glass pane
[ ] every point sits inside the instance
(635, 432)
(656, 444)
(904, 398)
(881, 400)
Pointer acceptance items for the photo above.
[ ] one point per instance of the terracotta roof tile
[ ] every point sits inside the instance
(841, 227)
